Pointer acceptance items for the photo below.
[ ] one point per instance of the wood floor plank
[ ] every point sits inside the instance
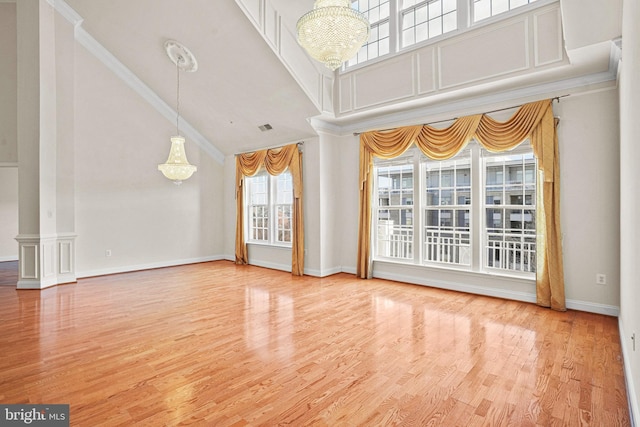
(226, 345)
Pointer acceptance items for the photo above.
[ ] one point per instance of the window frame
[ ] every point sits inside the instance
(273, 205)
(472, 10)
(403, 11)
(374, 27)
(477, 225)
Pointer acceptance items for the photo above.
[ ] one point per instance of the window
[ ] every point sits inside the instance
(422, 20)
(476, 197)
(447, 209)
(377, 12)
(395, 209)
(510, 197)
(483, 9)
(268, 208)
(401, 24)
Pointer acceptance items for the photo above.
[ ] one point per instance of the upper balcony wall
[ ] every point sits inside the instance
(522, 44)
(315, 80)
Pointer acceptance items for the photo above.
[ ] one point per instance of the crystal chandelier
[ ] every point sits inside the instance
(332, 32)
(177, 167)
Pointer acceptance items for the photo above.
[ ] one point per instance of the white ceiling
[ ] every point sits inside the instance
(240, 83)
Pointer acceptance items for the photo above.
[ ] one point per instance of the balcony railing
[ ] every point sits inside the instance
(514, 255)
(394, 241)
(450, 247)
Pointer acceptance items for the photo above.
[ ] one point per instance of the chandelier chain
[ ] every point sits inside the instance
(178, 61)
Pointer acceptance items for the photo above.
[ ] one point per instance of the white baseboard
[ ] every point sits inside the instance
(593, 307)
(632, 397)
(36, 283)
(138, 267)
(271, 265)
(587, 306)
(350, 270)
(322, 273)
(281, 267)
(460, 287)
(9, 258)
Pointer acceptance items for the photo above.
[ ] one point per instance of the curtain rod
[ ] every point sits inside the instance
(557, 98)
(268, 148)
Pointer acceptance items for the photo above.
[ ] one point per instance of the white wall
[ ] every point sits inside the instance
(8, 213)
(332, 150)
(630, 202)
(123, 203)
(589, 163)
(349, 199)
(8, 83)
(8, 133)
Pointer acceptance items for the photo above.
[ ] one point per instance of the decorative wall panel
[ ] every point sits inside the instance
(300, 66)
(65, 264)
(271, 26)
(547, 26)
(484, 54)
(344, 94)
(252, 9)
(368, 90)
(29, 261)
(427, 71)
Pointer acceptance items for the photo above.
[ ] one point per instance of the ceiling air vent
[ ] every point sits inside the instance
(265, 127)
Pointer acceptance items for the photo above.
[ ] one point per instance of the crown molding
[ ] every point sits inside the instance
(85, 39)
(66, 11)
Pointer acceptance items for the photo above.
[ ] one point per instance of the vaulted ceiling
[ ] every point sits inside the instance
(239, 85)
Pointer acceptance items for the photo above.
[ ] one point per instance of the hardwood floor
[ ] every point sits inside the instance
(217, 344)
(9, 273)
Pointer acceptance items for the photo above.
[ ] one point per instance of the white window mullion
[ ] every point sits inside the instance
(477, 207)
(394, 28)
(418, 183)
(464, 14)
(273, 207)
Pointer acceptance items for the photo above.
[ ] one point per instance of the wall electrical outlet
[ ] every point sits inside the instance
(107, 252)
(601, 279)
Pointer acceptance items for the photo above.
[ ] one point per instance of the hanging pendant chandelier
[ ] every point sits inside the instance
(177, 167)
(332, 32)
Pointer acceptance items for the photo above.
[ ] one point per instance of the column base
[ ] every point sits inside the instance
(45, 261)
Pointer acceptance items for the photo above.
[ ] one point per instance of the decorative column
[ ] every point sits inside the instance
(45, 196)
